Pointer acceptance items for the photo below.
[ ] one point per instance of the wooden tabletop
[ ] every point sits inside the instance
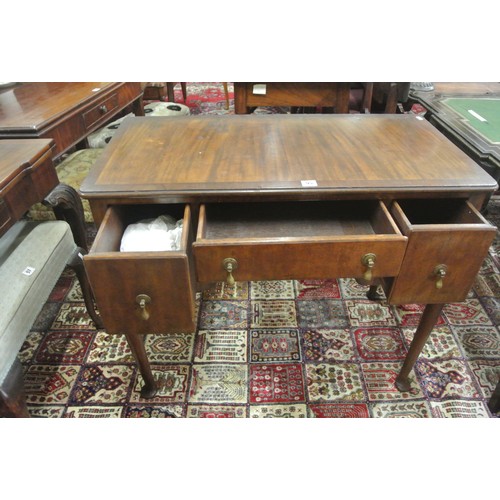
(210, 155)
(31, 105)
(18, 154)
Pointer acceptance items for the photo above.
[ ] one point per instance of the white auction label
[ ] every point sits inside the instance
(309, 183)
(29, 271)
(260, 89)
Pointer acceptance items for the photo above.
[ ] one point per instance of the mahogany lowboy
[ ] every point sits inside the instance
(383, 198)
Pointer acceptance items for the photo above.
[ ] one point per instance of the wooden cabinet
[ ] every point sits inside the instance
(308, 240)
(142, 292)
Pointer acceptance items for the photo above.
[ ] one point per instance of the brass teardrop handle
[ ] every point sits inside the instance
(368, 260)
(440, 272)
(143, 300)
(230, 265)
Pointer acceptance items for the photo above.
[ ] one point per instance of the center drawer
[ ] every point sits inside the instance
(297, 240)
(142, 292)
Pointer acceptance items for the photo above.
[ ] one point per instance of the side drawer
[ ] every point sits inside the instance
(309, 240)
(100, 112)
(447, 242)
(121, 279)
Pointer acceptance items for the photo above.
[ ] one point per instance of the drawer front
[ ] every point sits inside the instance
(141, 292)
(100, 112)
(314, 256)
(121, 284)
(441, 260)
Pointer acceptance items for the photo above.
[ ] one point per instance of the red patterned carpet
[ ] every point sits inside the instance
(280, 349)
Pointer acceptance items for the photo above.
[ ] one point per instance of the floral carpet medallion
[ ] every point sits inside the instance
(274, 345)
(262, 290)
(72, 316)
(328, 345)
(331, 382)
(441, 343)
(470, 312)
(108, 348)
(280, 383)
(379, 343)
(169, 347)
(351, 289)
(64, 347)
(367, 313)
(217, 314)
(30, 346)
(486, 373)
(102, 384)
(322, 313)
(172, 382)
(479, 341)
(49, 384)
(270, 349)
(446, 378)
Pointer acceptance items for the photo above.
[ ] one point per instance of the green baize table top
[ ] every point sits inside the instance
(482, 114)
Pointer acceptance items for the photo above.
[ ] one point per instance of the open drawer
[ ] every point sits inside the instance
(142, 292)
(301, 240)
(448, 240)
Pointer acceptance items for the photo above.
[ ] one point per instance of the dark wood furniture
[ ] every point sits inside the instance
(161, 90)
(308, 94)
(28, 176)
(494, 402)
(463, 131)
(65, 112)
(386, 199)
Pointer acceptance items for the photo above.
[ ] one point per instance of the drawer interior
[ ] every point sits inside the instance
(294, 220)
(118, 217)
(438, 211)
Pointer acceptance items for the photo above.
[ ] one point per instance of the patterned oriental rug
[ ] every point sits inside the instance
(280, 349)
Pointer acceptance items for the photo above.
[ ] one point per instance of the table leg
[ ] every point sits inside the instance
(427, 321)
(138, 107)
(136, 343)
